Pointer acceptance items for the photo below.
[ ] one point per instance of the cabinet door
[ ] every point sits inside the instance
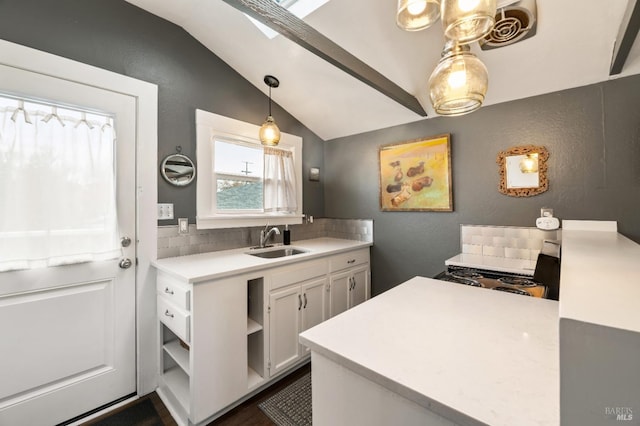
(360, 288)
(339, 293)
(313, 305)
(284, 322)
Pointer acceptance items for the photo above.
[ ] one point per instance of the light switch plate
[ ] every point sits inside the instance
(165, 211)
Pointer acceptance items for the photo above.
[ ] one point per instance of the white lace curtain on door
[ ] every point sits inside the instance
(279, 181)
(57, 186)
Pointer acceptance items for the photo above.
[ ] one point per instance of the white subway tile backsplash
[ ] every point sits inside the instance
(516, 232)
(477, 240)
(493, 251)
(516, 253)
(168, 252)
(472, 248)
(534, 244)
(171, 244)
(500, 242)
(487, 241)
(504, 241)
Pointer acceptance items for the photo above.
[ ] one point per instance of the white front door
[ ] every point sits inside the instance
(67, 333)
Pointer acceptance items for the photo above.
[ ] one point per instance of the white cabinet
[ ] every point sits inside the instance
(293, 310)
(224, 338)
(349, 281)
(297, 301)
(203, 346)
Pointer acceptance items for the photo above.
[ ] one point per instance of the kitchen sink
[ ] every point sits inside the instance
(278, 252)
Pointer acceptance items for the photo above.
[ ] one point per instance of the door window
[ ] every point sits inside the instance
(57, 183)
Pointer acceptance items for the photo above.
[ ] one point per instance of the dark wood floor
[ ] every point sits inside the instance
(246, 414)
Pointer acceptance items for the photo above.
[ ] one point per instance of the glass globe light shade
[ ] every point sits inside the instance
(269, 132)
(416, 15)
(466, 21)
(459, 82)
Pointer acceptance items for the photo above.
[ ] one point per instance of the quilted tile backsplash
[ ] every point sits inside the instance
(505, 241)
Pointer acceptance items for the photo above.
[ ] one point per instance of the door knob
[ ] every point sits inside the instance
(125, 263)
(125, 241)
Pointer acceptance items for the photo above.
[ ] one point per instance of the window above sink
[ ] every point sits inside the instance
(240, 182)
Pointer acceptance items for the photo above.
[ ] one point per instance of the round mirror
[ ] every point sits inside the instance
(178, 169)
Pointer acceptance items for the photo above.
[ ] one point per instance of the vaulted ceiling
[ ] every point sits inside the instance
(574, 44)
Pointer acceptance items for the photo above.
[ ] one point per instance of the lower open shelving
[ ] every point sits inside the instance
(178, 383)
(179, 354)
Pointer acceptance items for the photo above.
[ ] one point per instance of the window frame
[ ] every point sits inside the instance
(209, 127)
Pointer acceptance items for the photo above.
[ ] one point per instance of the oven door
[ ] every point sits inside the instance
(547, 272)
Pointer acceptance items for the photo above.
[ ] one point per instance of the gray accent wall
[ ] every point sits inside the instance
(120, 37)
(592, 134)
(593, 137)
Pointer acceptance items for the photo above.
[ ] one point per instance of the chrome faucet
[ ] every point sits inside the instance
(265, 235)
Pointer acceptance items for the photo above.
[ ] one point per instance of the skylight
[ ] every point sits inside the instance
(285, 3)
(300, 8)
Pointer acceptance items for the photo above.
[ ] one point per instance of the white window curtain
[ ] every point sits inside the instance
(279, 181)
(57, 186)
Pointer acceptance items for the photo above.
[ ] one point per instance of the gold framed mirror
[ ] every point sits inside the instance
(523, 171)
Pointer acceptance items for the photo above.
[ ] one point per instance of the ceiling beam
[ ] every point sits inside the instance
(295, 29)
(626, 36)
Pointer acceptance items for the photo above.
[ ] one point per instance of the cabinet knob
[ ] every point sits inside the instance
(169, 314)
(305, 301)
(351, 261)
(299, 302)
(166, 290)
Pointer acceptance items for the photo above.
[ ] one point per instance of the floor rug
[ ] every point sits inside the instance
(292, 405)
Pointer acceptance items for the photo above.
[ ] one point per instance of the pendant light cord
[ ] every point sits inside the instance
(269, 100)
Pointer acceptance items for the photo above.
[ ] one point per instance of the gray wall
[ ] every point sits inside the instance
(592, 134)
(117, 36)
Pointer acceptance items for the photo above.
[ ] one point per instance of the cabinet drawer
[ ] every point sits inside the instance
(347, 260)
(297, 273)
(173, 291)
(175, 318)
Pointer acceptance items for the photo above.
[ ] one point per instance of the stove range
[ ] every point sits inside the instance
(498, 281)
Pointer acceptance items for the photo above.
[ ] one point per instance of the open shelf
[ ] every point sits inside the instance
(178, 383)
(253, 378)
(179, 354)
(255, 331)
(252, 326)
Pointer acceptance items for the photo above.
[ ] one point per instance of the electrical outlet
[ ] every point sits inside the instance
(165, 211)
(183, 225)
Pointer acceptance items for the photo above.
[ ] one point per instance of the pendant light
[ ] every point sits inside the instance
(269, 132)
(466, 21)
(459, 82)
(416, 15)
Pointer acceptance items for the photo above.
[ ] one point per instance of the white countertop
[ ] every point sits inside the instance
(600, 279)
(494, 263)
(471, 355)
(206, 266)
